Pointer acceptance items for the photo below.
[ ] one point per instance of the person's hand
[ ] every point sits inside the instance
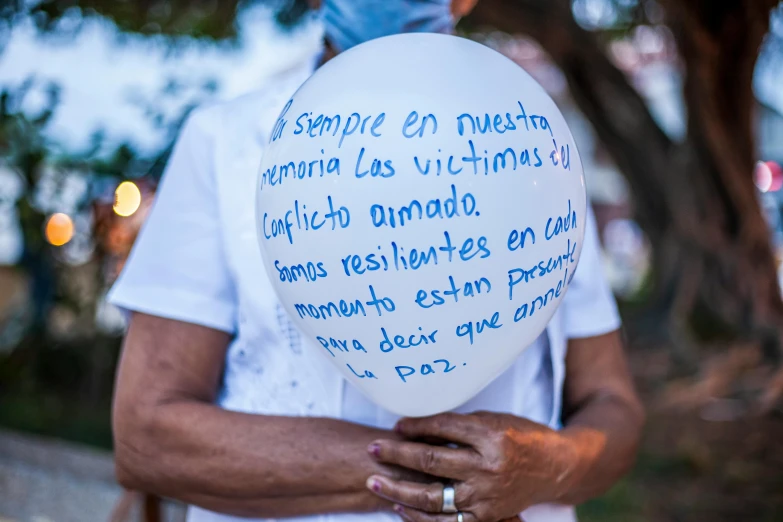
(502, 465)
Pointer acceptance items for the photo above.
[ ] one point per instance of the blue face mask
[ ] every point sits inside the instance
(351, 22)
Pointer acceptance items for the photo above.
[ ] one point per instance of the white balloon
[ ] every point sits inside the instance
(421, 209)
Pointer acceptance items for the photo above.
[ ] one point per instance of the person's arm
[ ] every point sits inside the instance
(171, 440)
(603, 415)
(505, 464)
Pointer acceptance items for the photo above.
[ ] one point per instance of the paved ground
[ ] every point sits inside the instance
(50, 481)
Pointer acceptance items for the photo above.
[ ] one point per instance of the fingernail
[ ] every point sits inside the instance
(374, 449)
(374, 484)
(398, 508)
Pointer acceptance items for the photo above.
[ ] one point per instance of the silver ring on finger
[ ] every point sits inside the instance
(460, 518)
(448, 501)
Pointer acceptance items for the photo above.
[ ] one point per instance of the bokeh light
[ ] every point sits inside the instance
(59, 229)
(127, 199)
(768, 176)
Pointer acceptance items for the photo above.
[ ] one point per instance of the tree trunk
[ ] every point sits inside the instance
(719, 43)
(696, 199)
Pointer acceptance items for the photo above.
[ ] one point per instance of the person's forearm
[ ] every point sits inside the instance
(605, 433)
(248, 464)
(284, 507)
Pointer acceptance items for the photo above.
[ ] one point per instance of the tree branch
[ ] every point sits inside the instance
(616, 110)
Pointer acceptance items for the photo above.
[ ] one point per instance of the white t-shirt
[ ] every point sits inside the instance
(197, 260)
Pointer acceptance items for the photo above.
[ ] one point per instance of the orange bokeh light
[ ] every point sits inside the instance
(59, 229)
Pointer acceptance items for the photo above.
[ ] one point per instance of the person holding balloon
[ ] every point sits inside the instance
(221, 401)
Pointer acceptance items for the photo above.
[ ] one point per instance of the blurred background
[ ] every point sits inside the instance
(677, 109)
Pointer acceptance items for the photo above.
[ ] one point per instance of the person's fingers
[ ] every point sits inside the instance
(424, 497)
(414, 515)
(438, 461)
(454, 427)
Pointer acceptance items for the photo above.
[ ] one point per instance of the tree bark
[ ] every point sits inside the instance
(719, 43)
(695, 199)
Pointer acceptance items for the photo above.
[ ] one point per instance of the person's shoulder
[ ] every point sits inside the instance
(245, 115)
(214, 116)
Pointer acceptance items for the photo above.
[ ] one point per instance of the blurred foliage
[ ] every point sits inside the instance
(620, 504)
(60, 389)
(22, 145)
(691, 469)
(46, 383)
(215, 19)
(57, 376)
(197, 18)
(617, 17)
